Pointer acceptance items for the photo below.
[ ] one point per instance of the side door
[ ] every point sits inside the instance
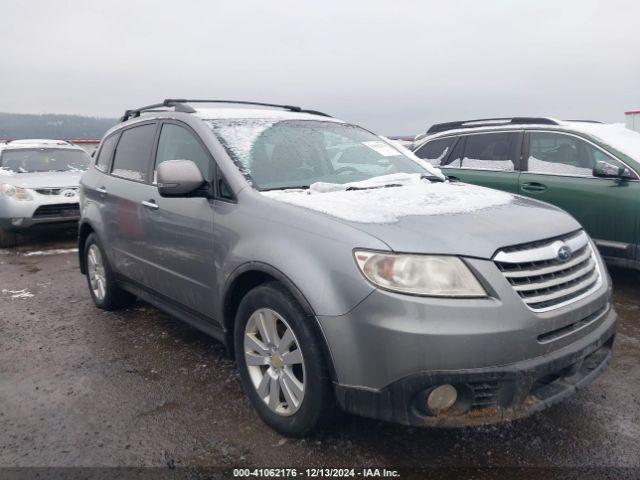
(489, 159)
(560, 171)
(125, 191)
(179, 231)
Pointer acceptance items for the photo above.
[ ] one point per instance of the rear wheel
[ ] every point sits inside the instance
(8, 238)
(105, 291)
(281, 362)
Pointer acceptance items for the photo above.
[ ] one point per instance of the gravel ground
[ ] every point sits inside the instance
(83, 387)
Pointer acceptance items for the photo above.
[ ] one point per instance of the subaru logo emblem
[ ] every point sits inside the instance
(564, 253)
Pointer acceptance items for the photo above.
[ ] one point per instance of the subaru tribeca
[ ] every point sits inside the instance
(342, 271)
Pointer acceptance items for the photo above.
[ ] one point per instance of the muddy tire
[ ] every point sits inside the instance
(105, 291)
(281, 361)
(8, 238)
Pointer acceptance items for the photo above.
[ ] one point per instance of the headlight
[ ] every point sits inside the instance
(18, 193)
(429, 275)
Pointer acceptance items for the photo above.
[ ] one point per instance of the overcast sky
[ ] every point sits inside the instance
(393, 66)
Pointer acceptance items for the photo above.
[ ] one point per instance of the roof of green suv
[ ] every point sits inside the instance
(615, 138)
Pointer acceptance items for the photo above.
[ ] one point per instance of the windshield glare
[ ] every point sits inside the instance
(44, 160)
(297, 153)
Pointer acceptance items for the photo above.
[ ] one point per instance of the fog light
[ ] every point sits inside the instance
(442, 398)
(16, 222)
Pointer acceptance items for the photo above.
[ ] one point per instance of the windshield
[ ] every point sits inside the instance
(277, 154)
(44, 160)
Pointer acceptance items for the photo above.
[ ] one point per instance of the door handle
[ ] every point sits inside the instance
(151, 204)
(533, 187)
(101, 190)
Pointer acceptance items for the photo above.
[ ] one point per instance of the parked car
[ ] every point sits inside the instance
(589, 169)
(38, 185)
(342, 271)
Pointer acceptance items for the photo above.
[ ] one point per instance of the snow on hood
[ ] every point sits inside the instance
(615, 135)
(69, 178)
(376, 203)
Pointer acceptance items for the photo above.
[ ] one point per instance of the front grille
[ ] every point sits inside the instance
(57, 210)
(55, 191)
(542, 279)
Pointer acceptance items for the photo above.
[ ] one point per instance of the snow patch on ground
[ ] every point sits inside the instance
(388, 204)
(24, 293)
(55, 251)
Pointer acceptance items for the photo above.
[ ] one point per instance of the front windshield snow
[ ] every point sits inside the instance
(43, 160)
(282, 154)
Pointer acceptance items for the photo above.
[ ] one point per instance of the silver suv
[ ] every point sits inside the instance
(38, 185)
(341, 270)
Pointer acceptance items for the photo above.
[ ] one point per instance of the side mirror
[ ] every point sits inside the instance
(608, 170)
(178, 178)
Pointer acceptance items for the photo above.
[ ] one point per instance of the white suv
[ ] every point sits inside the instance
(38, 185)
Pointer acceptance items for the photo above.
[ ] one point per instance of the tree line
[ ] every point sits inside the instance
(49, 125)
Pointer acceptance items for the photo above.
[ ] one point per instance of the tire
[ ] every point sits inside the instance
(105, 291)
(316, 405)
(8, 238)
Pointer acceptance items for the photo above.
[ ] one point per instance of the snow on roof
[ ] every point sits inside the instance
(376, 204)
(44, 141)
(38, 143)
(271, 113)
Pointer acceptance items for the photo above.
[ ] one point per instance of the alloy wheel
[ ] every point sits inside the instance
(274, 361)
(95, 268)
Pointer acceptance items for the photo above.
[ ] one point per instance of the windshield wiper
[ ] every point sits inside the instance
(431, 178)
(295, 187)
(373, 187)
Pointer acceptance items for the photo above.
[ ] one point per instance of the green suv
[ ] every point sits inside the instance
(589, 169)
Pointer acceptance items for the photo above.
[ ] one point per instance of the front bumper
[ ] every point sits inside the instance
(43, 210)
(390, 349)
(487, 395)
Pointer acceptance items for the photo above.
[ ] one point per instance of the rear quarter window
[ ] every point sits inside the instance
(133, 153)
(106, 152)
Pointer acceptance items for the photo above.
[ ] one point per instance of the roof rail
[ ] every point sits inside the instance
(179, 104)
(487, 122)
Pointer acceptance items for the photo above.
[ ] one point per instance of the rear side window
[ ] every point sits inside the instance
(178, 143)
(490, 151)
(106, 152)
(133, 153)
(436, 150)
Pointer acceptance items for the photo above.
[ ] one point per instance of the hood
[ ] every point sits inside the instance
(475, 234)
(41, 179)
(438, 218)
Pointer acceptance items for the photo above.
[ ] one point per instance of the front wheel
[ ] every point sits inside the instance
(105, 291)
(281, 362)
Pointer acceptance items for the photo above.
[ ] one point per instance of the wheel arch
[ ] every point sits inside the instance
(84, 231)
(251, 275)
